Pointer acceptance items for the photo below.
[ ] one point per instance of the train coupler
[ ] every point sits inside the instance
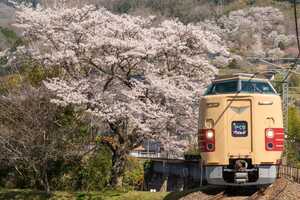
(241, 177)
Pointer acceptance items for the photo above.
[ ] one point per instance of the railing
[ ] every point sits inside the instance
(145, 154)
(164, 155)
(289, 172)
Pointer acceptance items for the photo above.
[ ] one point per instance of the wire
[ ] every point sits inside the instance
(296, 23)
(294, 65)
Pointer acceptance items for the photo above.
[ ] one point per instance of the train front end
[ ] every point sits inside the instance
(241, 135)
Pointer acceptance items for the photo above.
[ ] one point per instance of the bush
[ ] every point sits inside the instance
(96, 170)
(9, 83)
(9, 35)
(134, 174)
(293, 141)
(233, 64)
(92, 173)
(89, 174)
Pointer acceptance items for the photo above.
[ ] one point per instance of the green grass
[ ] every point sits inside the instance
(105, 195)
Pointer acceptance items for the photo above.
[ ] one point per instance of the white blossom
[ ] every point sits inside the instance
(252, 31)
(121, 67)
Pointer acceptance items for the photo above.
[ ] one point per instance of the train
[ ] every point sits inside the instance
(240, 134)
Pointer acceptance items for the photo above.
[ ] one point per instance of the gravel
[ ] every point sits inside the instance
(291, 192)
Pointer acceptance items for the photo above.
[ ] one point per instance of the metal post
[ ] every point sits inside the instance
(168, 152)
(201, 173)
(297, 175)
(285, 109)
(148, 149)
(220, 8)
(285, 106)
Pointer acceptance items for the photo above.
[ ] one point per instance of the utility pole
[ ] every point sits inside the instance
(148, 144)
(286, 73)
(285, 92)
(220, 9)
(285, 103)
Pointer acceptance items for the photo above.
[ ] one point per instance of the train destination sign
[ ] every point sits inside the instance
(239, 129)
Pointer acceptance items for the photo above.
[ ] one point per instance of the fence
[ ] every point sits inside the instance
(289, 172)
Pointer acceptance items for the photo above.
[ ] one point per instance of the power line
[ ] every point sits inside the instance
(294, 65)
(287, 74)
(220, 8)
(275, 65)
(296, 23)
(286, 71)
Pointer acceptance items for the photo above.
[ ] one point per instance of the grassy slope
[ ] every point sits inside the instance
(107, 195)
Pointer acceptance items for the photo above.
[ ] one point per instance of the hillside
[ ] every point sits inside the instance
(246, 30)
(7, 15)
(186, 11)
(250, 39)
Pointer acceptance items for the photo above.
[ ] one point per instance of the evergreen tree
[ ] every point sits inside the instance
(293, 140)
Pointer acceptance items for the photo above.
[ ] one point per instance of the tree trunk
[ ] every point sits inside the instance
(42, 177)
(44, 180)
(46, 184)
(118, 167)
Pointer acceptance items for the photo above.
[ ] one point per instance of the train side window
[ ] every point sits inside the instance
(257, 87)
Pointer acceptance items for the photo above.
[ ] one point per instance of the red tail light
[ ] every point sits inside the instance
(274, 139)
(207, 140)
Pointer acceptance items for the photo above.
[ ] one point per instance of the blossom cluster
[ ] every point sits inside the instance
(122, 67)
(254, 31)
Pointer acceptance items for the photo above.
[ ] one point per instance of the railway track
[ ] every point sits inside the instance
(217, 197)
(268, 193)
(216, 193)
(225, 195)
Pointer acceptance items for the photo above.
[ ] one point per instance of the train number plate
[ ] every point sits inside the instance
(239, 129)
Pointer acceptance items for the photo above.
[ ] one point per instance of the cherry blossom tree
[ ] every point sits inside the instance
(139, 79)
(253, 31)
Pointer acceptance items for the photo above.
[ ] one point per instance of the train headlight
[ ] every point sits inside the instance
(270, 133)
(209, 134)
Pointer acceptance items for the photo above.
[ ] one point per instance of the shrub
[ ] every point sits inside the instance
(134, 174)
(95, 173)
(233, 64)
(92, 173)
(293, 140)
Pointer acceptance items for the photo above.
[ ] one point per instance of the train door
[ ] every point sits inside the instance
(239, 127)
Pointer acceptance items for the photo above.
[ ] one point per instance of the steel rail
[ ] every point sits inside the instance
(217, 196)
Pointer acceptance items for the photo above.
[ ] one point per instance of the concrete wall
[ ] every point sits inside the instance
(173, 175)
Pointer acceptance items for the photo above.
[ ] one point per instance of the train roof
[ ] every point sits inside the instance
(241, 76)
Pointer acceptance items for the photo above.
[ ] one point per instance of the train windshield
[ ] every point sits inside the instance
(246, 86)
(223, 87)
(257, 87)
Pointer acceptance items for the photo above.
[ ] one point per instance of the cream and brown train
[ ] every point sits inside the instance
(241, 134)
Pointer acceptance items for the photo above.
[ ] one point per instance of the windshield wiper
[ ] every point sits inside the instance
(257, 89)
